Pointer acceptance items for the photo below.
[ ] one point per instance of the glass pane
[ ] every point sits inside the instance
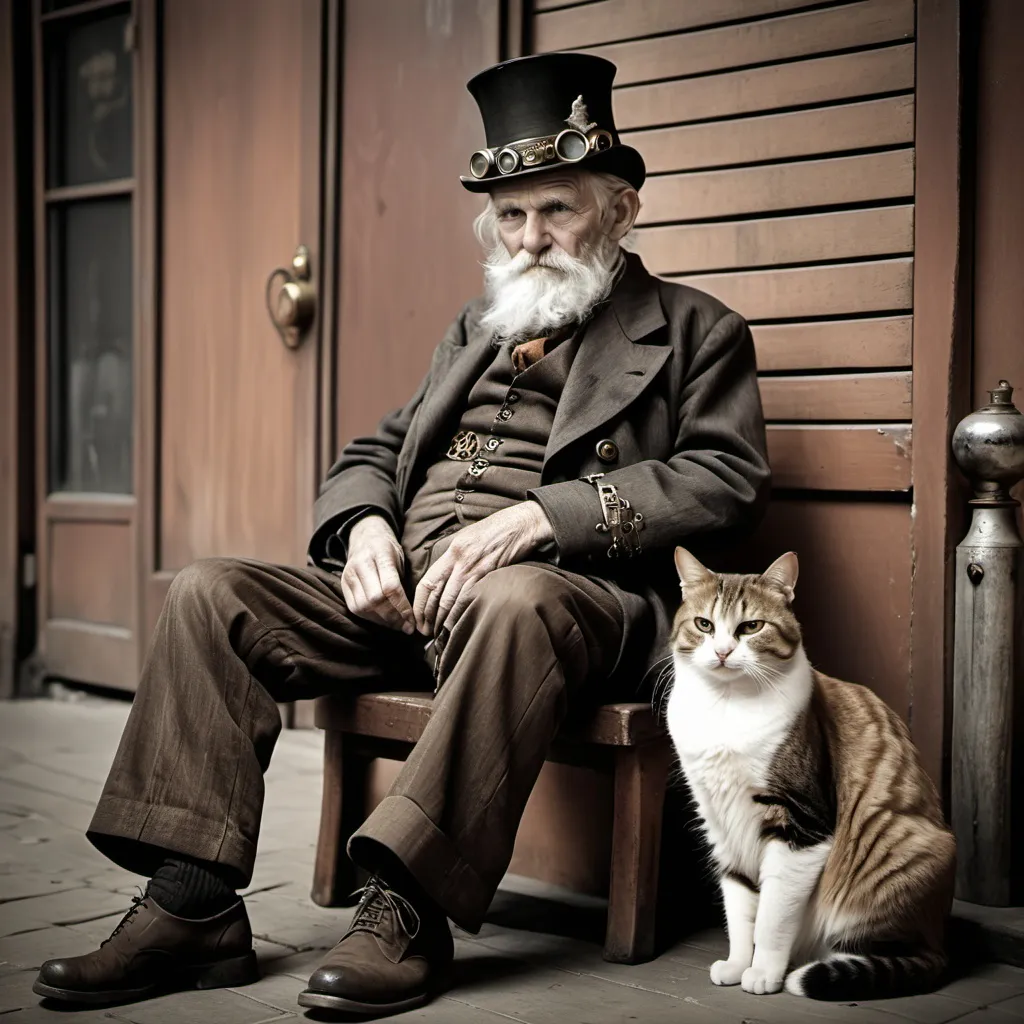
(91, 346)
(89, 89)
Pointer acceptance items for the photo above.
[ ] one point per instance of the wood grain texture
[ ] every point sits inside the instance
(881, 397)
(845, 288)
(834, 181)
(835, 344)
(942, 346)
(749, 140)
(91, 573)
(402, 716)
(236, 479)
(829, 457)
(998, 350)
(853, 597)
(10, 434)
(409, 261)
(800, 83)
(847, 234)
(610, 20)
(805, 34)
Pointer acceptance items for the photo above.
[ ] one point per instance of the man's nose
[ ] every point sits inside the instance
(535, 235)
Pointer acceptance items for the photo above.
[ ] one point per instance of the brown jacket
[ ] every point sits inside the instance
(664, 371)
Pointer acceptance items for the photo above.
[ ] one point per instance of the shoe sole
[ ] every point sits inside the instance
(236, 971)
(323, 1001)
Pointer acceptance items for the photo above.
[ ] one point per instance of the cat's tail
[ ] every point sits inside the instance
(843, 976)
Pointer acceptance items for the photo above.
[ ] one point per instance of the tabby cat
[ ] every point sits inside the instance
(835, 864)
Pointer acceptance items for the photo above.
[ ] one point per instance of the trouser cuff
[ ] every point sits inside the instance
(400, 825)
(136, 836)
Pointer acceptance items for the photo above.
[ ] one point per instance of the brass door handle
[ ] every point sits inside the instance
(292, 308)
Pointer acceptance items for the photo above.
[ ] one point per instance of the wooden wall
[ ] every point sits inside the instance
(779, 147)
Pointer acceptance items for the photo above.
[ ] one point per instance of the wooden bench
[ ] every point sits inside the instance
(624, 739)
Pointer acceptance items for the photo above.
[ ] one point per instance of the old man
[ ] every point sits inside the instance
(515, 518)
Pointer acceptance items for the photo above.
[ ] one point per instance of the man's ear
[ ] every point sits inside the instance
(691, 571)
(782, 574)
(623, 213)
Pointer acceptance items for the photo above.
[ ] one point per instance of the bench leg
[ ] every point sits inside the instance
(342, 811)
(641, 774)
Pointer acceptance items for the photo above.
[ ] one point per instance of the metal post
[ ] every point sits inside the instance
(988, 659)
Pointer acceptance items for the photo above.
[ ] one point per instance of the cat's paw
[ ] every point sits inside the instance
(759, 982)
(728, 972)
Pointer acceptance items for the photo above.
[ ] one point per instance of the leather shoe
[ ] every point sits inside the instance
(393, 958)
(151, 952)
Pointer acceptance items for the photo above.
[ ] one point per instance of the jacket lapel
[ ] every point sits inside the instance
(613, 364)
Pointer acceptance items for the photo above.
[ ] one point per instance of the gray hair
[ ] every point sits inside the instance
(605, 189)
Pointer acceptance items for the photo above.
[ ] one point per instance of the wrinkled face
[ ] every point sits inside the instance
(735, 627)
(553, 212)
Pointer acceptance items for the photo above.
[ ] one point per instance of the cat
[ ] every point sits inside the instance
(828, 835)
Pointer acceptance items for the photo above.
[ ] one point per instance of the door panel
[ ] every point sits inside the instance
(237, 408)
(409, 261)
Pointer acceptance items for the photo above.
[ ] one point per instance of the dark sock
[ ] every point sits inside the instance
(190, 888)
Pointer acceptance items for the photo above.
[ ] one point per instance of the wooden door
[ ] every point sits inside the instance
(235, 467)
(178, 164)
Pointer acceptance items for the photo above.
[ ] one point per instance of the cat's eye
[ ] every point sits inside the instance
(704, 625)
(749, 627)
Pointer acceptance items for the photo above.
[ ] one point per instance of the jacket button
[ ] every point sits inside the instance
(607, 451)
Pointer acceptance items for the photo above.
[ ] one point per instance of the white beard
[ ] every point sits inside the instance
(531, 296)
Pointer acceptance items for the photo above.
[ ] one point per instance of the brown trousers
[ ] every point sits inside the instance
(236, 636)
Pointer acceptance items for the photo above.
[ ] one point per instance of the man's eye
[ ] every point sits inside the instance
(510, 214)
(558, 208)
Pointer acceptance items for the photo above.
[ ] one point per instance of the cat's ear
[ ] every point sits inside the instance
(690, 570)
(782, 574)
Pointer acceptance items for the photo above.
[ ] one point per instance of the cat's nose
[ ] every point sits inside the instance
(722, 655)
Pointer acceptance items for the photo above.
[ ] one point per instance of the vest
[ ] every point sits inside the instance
(495, 457)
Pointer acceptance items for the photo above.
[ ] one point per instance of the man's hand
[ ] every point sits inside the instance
(371, 582)
(502, 538)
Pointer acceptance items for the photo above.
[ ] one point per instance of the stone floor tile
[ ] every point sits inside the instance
(216, 1006)
(1013, 1006)
(58, 908)
(20, 884)
(297, 923)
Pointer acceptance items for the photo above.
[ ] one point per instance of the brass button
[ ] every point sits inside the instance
(607, 451)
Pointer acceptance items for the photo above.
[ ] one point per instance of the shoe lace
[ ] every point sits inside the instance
(137, 902)
(375, 898)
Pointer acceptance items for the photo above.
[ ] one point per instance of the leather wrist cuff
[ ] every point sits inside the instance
(621, 521)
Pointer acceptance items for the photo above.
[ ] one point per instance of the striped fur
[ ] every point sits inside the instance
(833, 855)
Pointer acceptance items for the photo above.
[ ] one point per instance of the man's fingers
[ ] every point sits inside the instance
(369, 601)
(428, 593)
(465, 596)
(446, 599)
(394, 594)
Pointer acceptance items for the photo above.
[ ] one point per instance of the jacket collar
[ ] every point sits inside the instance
(621, 353)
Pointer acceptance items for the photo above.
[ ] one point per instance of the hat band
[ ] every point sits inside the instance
(569, 146)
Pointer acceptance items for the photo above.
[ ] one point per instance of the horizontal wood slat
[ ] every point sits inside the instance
(604, 22)
(688, 248)
(841, 396)
(800, 83)
(823, 457)
(835, 290)
(750, 140)
(834, 344)
(809, 33)
(833, 181)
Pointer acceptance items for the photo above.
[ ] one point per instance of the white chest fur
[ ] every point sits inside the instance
(726, 739)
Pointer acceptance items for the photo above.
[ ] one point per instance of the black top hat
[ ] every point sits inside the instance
(548, 111)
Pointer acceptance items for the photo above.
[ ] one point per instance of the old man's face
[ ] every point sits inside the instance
(553, 249)
(550, 212)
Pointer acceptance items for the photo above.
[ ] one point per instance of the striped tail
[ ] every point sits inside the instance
(850, 976)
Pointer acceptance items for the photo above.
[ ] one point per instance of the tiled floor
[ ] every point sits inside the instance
(537, 961)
